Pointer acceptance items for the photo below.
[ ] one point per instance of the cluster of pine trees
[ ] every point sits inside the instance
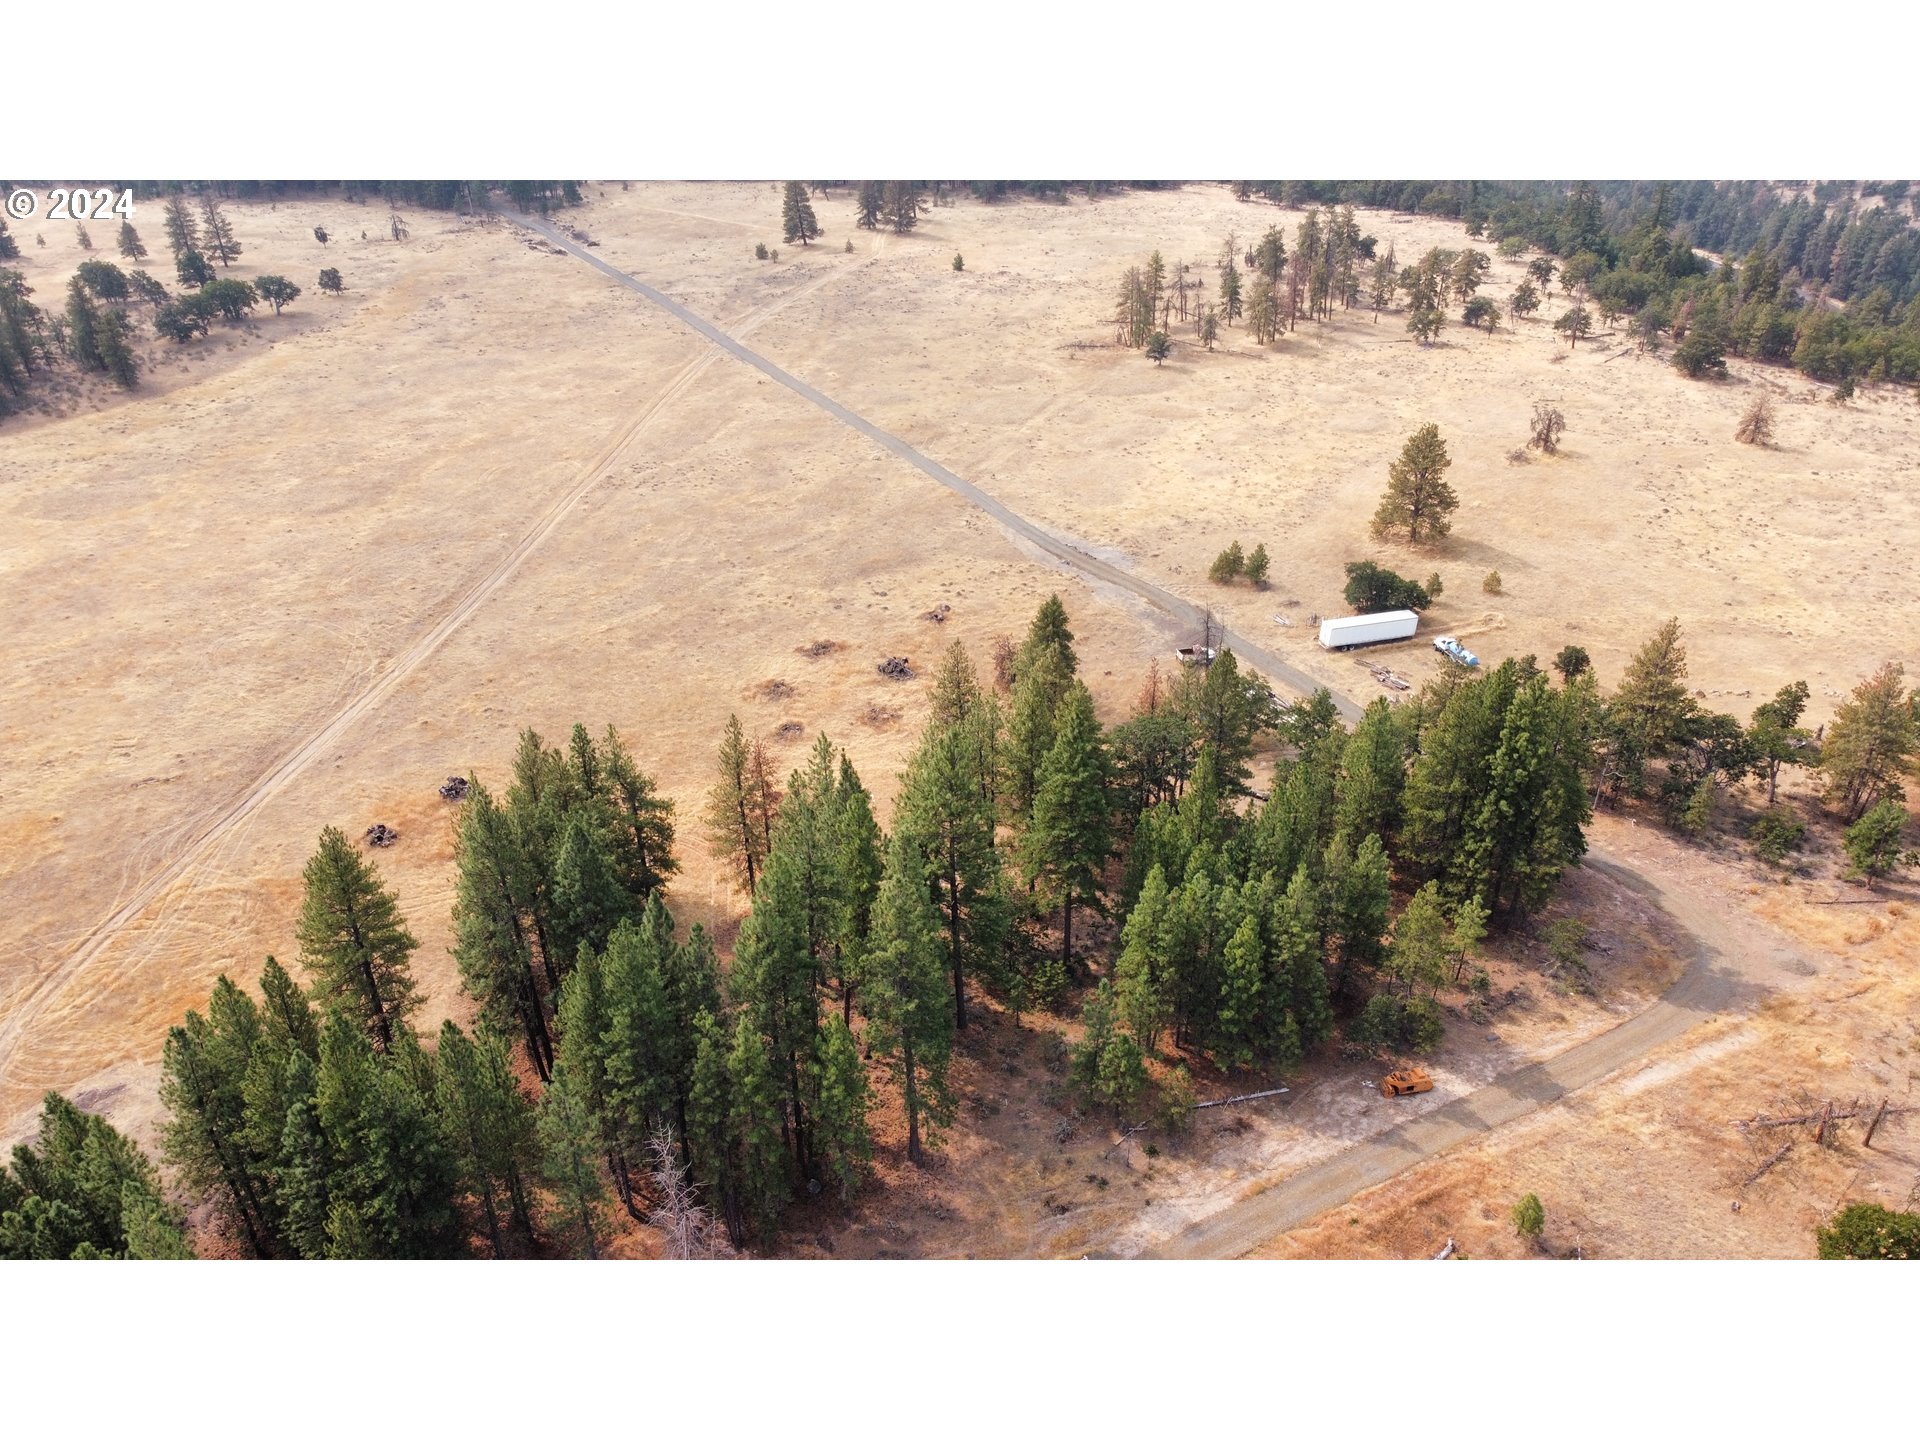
(1254, 925)
(1631, 249)
(95, 330)
(1653, 738)
(82, 1191)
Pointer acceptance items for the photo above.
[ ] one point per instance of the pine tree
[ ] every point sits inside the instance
(900, 204)
(83, 1191)
(1358, 885)
(1043, 679)
(753, 1123)
(588, 898)
(131, 246)
(183, 231)
(1529, 825)
(905, 995)
(1068, 843)
(1651, 711)
(775, 981)
(797, 221)
(491, 1128)
(737, 819)
(116, 354)
(206, 1136)
(1873, 739)
(353, 940)
(1238, 1026)
(1418, 498)
(1422, 943)
(391, 1179)
(1256, 567)
(638, 1040)
(946, 815)
(217, 232)
(843, 1142)
(586, 1043)
(643, 832)
(83, 327)
(867, 207)
(331, 282)
(1140, 974)
(492, 942)
(193, 270)
(567, 1145)
(858, 846)
(1373, 775)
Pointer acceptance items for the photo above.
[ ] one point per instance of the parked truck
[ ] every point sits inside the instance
(1347, 631)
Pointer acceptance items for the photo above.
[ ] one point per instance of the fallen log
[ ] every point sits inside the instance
(1446, 1250)
(1237, 1099)
(1878, 1116)
(1771, 1161)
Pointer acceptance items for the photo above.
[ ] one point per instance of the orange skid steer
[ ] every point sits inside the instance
(1411, 1081)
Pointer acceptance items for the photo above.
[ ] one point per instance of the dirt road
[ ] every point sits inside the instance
(1719, 979)
(1185, 612)
(1713, 982)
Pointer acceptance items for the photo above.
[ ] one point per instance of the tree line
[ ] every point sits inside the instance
(615, 1061)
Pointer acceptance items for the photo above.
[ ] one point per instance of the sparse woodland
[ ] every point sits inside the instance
(1268, 882)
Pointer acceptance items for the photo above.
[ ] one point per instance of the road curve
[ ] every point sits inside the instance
(1715, 981)
(1712, 982)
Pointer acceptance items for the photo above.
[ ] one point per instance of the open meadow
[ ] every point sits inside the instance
(320, 562)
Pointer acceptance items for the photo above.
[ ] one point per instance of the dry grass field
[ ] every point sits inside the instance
(319, 562)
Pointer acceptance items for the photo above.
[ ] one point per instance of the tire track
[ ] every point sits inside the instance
(206, 837)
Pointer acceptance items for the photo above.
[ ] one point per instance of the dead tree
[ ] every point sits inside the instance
(1756, 426)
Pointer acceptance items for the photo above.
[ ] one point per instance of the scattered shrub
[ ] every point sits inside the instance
(1529, 1217)
(1777, 832)
(1870, 1232)
(1492, 583)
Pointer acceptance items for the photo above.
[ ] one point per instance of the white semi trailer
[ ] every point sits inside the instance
(1351, 630)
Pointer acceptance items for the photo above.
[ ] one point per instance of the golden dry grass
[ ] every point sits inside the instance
(214, 567)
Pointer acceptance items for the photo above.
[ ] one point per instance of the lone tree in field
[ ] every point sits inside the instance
(797, 220)
(330, 281)
(131, 247)
(1159, 346)
(959, 262)
(1576, 325)
(1756, 426)
(277, 291)
(1529, 1217)
(320, 234)
(1480, 311)
(1524, 300)
(1548, 426)
(1256, 569)
(1418, 498)
(1209, 327)
(353, 940)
